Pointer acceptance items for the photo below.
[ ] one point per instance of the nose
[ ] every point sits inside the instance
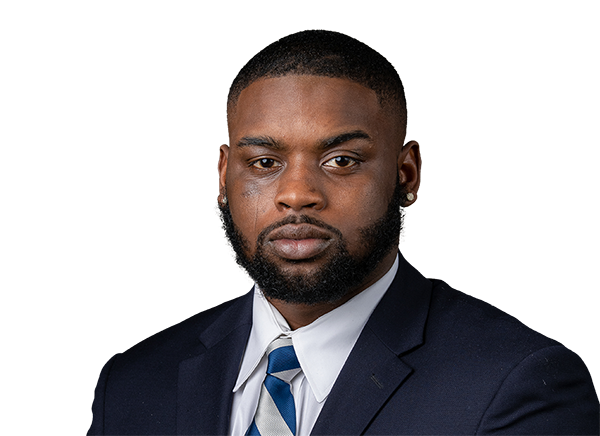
(299, 188)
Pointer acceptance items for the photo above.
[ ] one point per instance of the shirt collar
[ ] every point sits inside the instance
(323, 346)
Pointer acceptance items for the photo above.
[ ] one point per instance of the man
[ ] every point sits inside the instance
(340, 335)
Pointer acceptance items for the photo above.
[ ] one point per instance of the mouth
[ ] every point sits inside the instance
(299, 241)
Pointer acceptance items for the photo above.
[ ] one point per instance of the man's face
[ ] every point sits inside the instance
(310, 179)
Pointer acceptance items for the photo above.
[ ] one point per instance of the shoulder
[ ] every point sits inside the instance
(479, 325)
(137, 389)
(183, 340)
(522, 381)
(470, 341)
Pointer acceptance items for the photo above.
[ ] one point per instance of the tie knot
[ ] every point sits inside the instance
(283, 362)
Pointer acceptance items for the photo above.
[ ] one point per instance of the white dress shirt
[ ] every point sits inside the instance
(322, 348)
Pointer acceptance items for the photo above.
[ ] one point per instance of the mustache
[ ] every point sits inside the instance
(297, 219)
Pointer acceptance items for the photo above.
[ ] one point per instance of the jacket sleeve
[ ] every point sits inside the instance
(550, 392)
(97, 427)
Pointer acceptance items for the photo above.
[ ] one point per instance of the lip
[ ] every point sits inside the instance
(299, 241)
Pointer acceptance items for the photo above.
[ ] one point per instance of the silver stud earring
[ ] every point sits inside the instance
(410, 196)
(224, 200)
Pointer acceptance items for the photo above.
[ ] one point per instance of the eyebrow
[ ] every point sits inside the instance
(267, 141)
(344, 137)
(261, 141)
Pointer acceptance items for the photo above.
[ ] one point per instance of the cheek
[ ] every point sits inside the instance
(373, 201)
(362, 209)
(248, 203)
(250, 190)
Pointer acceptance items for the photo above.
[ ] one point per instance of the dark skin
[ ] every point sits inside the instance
(316, 146)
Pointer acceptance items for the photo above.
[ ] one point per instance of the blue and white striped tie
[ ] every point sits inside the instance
(276, 412)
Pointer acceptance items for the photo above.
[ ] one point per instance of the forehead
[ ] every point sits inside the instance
(306, 103)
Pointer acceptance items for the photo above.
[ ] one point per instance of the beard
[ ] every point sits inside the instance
(327, 283)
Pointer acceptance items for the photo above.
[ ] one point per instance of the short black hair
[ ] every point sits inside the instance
(329, 54)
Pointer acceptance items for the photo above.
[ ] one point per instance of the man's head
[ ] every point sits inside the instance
(316, 172)
(326, 54)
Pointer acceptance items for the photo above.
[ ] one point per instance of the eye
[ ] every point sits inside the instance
(265, 163)
(341, 162)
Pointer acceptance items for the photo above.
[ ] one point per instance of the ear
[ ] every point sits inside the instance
(409, 170)
(222, 167)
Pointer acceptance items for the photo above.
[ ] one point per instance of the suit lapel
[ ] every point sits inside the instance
(206, 381)
(374, 369)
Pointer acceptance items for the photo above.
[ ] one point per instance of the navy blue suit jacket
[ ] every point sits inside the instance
(431, 360)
